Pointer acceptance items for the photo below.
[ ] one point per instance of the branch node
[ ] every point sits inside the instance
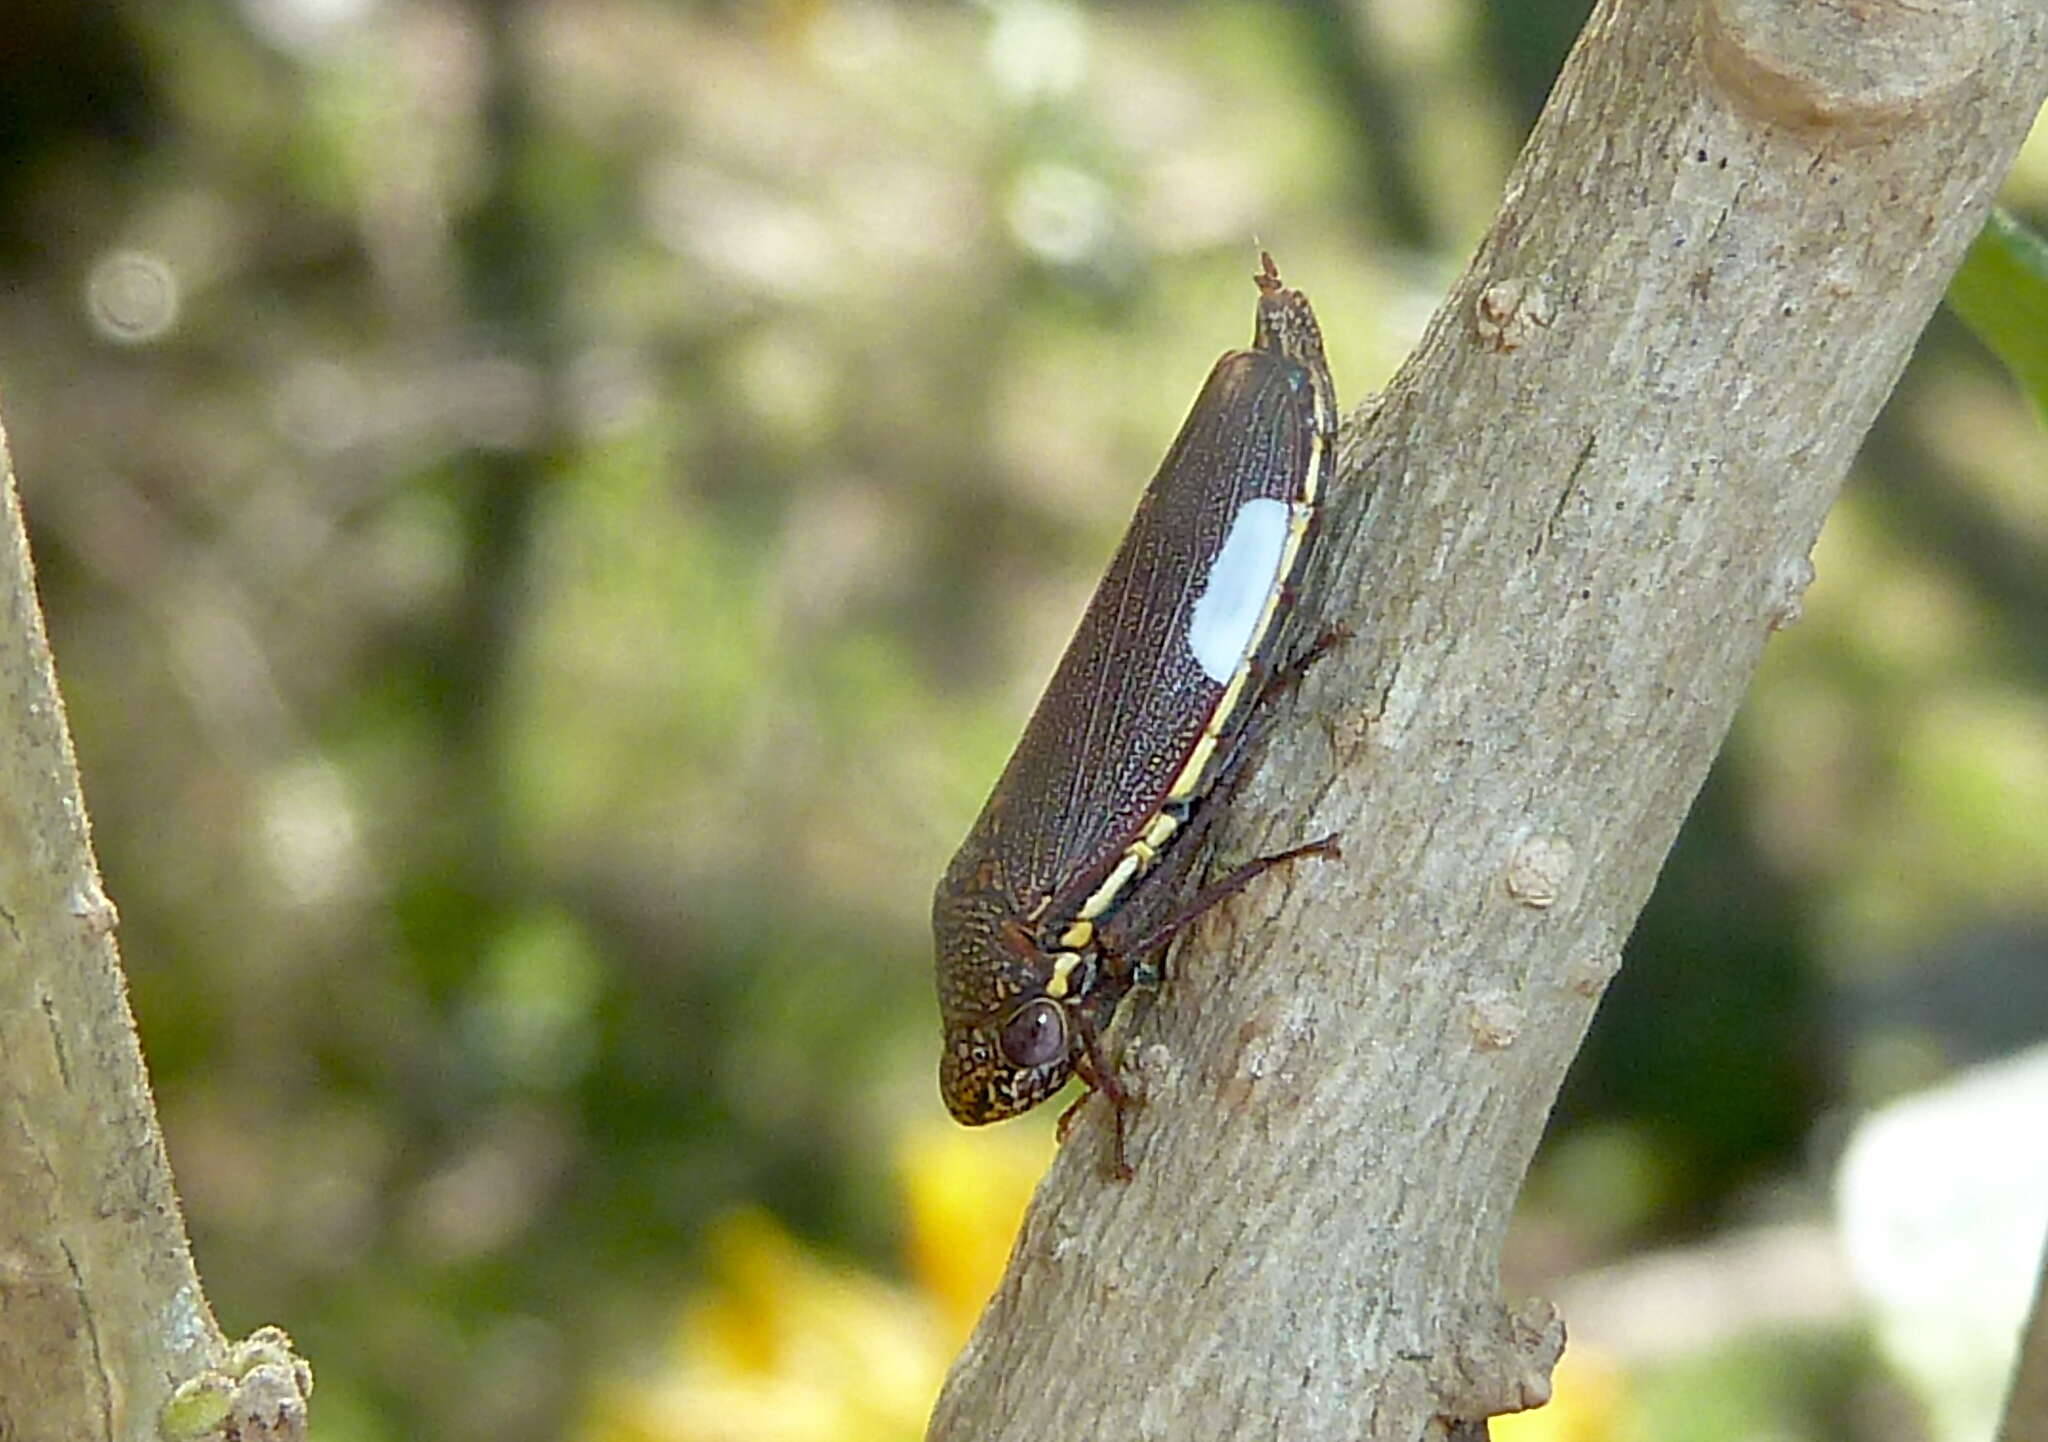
(1505, 1368)
(1788, 592)
(92, 906)
(1861, 68)
(1589, 973)
(1539, 870)
(1495, 1018)
(1509, 312)
(260, 1394)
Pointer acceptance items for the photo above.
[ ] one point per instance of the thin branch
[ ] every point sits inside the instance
(1561, 539)
(103, 1313)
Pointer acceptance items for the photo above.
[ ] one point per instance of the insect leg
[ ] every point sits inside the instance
(1220, 890)
(1098, 1076)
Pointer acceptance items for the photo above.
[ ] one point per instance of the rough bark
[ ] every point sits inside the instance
(102, 1309)
(1562, 538)
(101, 1313)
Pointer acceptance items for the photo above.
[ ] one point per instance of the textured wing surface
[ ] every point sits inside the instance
(1130, 696)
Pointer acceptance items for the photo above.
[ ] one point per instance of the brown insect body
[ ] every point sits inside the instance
(1084, 847)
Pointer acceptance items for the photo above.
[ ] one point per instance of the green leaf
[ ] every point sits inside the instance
(2002, 294)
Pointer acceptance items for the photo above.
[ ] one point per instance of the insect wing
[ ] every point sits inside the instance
(1194, 590)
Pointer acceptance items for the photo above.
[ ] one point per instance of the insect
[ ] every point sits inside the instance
(1065, 893)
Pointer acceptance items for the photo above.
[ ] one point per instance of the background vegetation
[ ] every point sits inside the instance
(551, 515)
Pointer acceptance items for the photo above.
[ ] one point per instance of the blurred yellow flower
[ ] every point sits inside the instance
(965, 1194)
(783, 1346)
(1587, 1397)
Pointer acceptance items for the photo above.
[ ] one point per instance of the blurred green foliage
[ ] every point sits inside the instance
(552, 514)
(2001, 293)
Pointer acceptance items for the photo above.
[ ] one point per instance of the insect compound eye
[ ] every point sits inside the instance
(1035, 1034)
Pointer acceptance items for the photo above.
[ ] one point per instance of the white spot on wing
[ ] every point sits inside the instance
(1241, 578)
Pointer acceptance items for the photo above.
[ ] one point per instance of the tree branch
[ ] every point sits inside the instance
(1562, 537)
(101, 1312)
(104, 1310)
